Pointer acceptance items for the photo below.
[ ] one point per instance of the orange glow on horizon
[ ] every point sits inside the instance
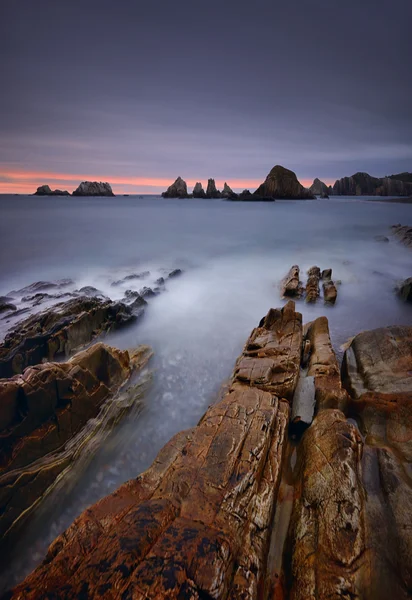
(26, 182)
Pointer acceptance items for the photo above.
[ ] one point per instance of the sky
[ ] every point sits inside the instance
(139, 92)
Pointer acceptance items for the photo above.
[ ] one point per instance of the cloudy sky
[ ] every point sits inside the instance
(137, 93)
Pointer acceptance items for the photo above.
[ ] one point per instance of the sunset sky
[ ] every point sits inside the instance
(137, 93)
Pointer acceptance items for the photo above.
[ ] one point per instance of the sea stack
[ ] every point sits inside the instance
(282, 183)
(198, 191)
(44, 190)
(211, 191)
(178, 189)
(93, 188)
(319, 188)
(227, 192)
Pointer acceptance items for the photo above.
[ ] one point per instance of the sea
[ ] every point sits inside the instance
(233, 256)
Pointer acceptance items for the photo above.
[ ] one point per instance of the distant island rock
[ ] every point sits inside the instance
(178, 189)
(319, 188)
(44, 190)
(282, 183)
(363, 184)
(212, 191)
(198, 191)
(93, 188)
(228, 193)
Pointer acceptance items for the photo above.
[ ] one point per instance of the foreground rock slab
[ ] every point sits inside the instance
(44, 408)
(58, 331)
(197, 523)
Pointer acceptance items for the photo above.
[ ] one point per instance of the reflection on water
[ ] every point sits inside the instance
(234, 256)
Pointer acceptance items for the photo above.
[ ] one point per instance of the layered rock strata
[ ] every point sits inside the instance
(224, 511)
(42, 410)
(58, 331)
(197, 523)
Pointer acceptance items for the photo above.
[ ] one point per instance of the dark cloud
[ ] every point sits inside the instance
(223, 89)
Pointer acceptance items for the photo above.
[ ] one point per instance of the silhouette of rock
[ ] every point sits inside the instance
(198, 191)
(211, 191)
(178, 189)
(282, 183)
(44, 190)
(93, 188)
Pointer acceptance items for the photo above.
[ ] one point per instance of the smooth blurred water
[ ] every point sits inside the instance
(233, 256)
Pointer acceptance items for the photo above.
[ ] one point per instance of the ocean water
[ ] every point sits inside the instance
(234, 256)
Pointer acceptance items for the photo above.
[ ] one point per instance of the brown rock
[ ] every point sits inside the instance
(58, 331)
(44, 408)
(312, 285)
(197, 523)
(330, 293)
(291, 286)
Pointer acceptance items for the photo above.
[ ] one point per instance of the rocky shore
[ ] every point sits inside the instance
(86, 188)
(276, 493)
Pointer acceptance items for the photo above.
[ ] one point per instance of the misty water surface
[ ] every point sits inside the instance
(233, 256)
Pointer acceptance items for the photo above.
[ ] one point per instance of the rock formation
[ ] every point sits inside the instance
(44, 408)
(228, 193)
(58, 331)
(44, 190)
(178, 189)
(318, 188)
(211, 191)
(282, 183)
(403, 233)
(198, 191)
(224, 512)
(404, 290)
(93, 188)
(312, 285)
(362, 184)
(291, 285)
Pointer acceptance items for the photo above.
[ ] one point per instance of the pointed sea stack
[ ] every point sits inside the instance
(198, 191)
(211, 191)
(178, 189)
(93, 188)
(282, 183)
(319, 188)
(228, 193)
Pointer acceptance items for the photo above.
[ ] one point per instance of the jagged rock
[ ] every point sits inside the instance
(175, 273)
(58, 331)
(44, 190)
(40, 286)
(6, 306)
(211, 191)
(322, 364)
(160, 281)
(141, 275)
(361, 184)
(291, 286)
(198, 191)
(44, 408)
(93, 188)
(404, 233)
(178, 189)
(40, 297)
(147, 292)
(282, 183)
(318, 188)
(404, 290)
(245, 195)
(312, 285)
(228, 193)
(326, 274)
(91, 292)
(330, 293)
(197, 522)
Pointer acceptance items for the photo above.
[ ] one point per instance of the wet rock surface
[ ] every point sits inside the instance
(58, 331)
(403, 233)
(233, 508)
(292, 287)
(41, 411)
